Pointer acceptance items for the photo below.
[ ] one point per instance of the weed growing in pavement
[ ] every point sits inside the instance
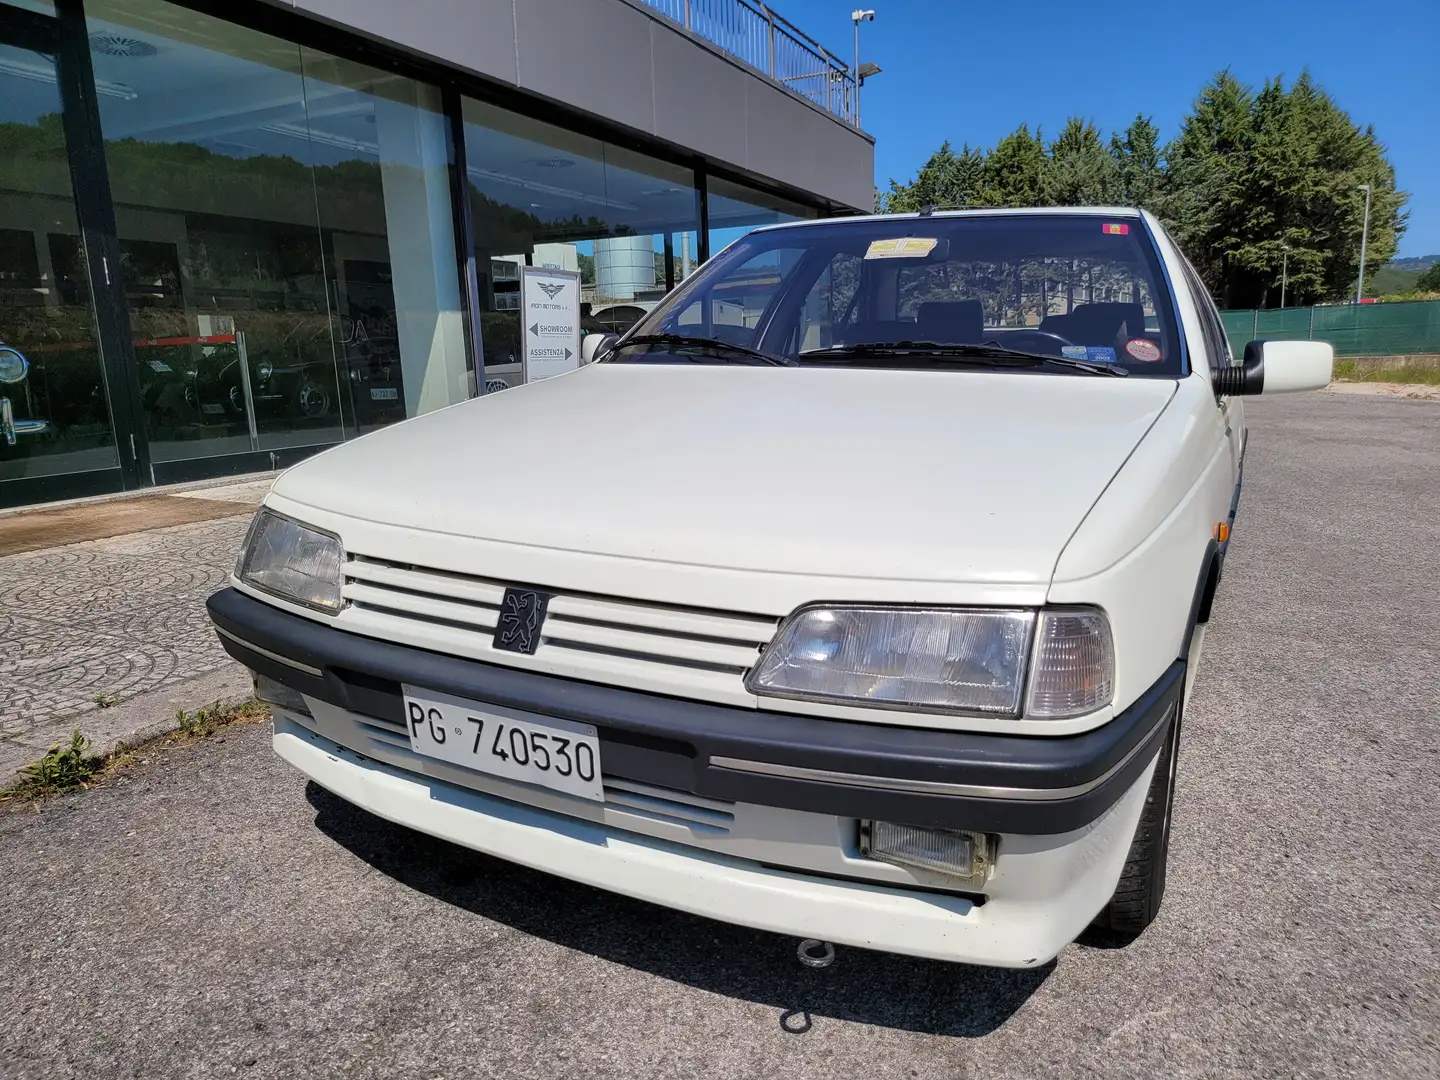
(205, 721)
(107, 699)
(67, 767)
(63, 767)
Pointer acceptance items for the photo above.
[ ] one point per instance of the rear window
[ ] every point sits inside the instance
(1065, 285)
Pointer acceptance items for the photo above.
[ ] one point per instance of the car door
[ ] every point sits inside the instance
(1217, 348)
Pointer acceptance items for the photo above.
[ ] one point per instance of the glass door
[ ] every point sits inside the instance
(58, 432)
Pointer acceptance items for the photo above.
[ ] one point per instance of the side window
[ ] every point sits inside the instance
(830, 308)
(732, 307)
(1217, 348)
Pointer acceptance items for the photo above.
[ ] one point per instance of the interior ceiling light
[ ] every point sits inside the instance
(553, 163)
(120, 45)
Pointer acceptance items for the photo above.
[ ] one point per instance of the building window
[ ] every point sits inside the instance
(735, 209)
(278, 209)
(544, 196)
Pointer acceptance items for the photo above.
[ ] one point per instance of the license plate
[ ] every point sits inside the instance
(551, 752)
(384, 393)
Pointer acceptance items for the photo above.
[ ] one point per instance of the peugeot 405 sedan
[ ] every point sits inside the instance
(854, 594)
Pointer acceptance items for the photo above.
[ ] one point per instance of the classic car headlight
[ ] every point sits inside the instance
(13, 366)
(948, 660)
(292, 561)
(263, 370)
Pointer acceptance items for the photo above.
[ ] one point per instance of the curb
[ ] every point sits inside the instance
(135, 719)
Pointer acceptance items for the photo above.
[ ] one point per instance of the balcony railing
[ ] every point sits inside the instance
(750, 31)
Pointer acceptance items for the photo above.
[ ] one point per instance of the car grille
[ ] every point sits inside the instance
(686, 652)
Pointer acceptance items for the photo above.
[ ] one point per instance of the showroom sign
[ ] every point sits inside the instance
(550, 308)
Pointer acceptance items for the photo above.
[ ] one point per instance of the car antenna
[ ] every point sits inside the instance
(928, 209)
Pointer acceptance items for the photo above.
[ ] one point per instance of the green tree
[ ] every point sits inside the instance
(1429, 280)
(1251, 182)
(1138, 164)
(1206, 164)
(1080, 172)
(946, 180)
(1015, 170)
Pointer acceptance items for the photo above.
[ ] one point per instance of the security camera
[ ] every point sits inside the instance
(862, 16)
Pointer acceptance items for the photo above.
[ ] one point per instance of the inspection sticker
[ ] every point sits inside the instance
(1112, 229)
(904, 247)
(1143, 350)
(1097, 354)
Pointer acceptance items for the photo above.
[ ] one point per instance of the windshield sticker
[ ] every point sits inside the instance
(905, 247)
(1096, 354)
(1116, 229)
(1144, 350)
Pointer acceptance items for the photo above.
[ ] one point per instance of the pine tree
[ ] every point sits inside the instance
(1137, 164)
(1080, 172)
(1015, 169)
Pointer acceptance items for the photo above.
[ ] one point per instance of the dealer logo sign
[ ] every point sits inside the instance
(522, 614)
(551, 291)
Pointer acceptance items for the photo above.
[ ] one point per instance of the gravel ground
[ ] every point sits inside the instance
(208, 914)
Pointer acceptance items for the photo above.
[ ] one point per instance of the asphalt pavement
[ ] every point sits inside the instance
(208, 914)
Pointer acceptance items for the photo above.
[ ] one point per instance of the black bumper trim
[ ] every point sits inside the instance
(670, 742)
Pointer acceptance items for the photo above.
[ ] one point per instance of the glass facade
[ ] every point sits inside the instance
(544, 196)
(277, 232)
(54, 412)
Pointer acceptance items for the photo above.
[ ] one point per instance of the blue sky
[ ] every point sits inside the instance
(972, 70)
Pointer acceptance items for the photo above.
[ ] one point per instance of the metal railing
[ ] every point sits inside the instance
(748, 30)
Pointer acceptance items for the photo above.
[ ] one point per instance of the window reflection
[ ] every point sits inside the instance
(544, 196)
(735, 210)
(54, 412)
(276, 208)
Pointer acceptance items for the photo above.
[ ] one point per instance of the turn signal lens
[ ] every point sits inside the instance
(1074, 666)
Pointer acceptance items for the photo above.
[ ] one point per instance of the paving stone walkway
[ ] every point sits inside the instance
(121, 617)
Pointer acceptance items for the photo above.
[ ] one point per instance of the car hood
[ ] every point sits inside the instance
(958, 476)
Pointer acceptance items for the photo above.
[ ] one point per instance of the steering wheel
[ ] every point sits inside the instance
(1033, 341)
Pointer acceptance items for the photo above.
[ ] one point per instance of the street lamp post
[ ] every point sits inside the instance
(1364, 239)
(1284, 273)
(858, 16)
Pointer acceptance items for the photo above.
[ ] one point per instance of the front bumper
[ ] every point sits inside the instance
(1027, 785)
(1046, 895)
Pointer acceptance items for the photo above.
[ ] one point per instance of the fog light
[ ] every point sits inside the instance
(279, 695)
(964, 855)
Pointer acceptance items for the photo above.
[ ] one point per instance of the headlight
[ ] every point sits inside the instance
(946, 660)
(292, 561)
(13, 366)
(935, 660)
(264, 369)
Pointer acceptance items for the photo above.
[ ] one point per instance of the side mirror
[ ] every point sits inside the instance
(1278, 367)
(595, 347)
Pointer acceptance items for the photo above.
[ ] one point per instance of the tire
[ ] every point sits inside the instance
(1137, 897)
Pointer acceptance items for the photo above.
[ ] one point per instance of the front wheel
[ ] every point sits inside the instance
(1142, 882)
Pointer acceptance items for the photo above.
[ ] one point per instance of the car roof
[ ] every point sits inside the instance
(1023, 211)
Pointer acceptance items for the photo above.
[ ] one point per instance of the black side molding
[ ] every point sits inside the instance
(920, 776)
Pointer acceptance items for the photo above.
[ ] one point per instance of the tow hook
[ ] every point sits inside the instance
(816, 954)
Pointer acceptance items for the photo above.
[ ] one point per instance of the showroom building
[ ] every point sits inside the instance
(235, 233)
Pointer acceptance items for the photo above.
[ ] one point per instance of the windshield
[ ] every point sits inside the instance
(961, 290)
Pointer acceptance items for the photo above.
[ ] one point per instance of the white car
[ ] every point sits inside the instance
(869, 620)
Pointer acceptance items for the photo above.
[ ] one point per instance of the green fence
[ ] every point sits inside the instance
(1354, 329)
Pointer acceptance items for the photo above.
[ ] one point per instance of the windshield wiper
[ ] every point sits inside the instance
(990, 354)
(712, 344)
